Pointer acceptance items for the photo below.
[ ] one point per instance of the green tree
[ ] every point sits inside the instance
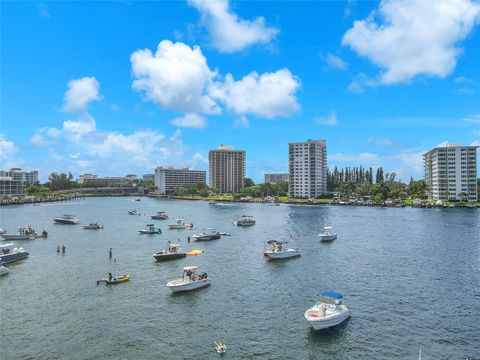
(248, 182)
(61, 181)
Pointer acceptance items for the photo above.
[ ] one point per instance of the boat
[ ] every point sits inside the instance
(4, 270)
(24, 233)
(189, 280)
(328, 311)
(328, 234)
(67, 220)
(9, 253)
(173, 252)
(2, 231)
(93, 226)
(150, 229)
(114, 280)
(245, 220)
(180, 225)
(279, 250)
(210, 234)
(220, 348)
(224, 233)
(138, 199)
(212, 202)
(160, 216)
(133, 212)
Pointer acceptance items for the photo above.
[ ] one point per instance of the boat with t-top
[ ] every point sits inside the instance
(209, 234)
(328, 234)
(179, 225)
(133, 212)
(328, 311)
(245, 220)
(172, 252)
(150, 229)
(24, 233)
(67, 220)
(93, 226)
(9, 253)
(190, 280)
(160, 216)
(280, 250)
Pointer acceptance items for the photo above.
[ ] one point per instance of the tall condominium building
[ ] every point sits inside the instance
(167, 179)
(275, 178)
(27, 177)
(226, 169)
(451, 172)
(307, 162)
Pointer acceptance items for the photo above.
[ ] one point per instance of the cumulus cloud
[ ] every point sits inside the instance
(333, 62)
(331, 119)
(267, 95)
(409, 38)
(176, 77)
(192, 121)
(84, 125)
(475, 143)
(241, 122)
(228, 32)
(8, 151)
(80, 93)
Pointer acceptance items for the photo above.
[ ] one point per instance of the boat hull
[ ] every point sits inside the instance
(206, 237)
(166, 257)
(176, 227)
(282, 255)
(17, 237)
(325, 323)
(4, 270)
(328, 237)
(188, 286)
(11, 258)
(66, 222)
(146, 232)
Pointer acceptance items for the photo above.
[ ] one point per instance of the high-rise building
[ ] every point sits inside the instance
(167, 179)
(27, 177)
(275, 178)
(451, 172)
(226, 169)
(307, 162)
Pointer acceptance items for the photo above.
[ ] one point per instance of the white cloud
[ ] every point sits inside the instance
(474, 118)
(334, 62)
(331, 119)
(84, 125)
(176, 77)
(463, 79)
(241, 122)
(228, 32)
(8, 151)
(267, 95)
(43, 11)
(475, 143)
(45, 137)
(409, 38)
(192, 121)
(80, 93)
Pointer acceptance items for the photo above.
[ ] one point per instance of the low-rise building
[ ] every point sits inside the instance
(167, 179)
(275, 178)
(10, 187)
(149, 177)
(86, 177)
(27, 177)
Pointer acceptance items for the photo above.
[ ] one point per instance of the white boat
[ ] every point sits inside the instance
(160, 216)
(189, 281)
(279, 250)
(93, 226)
(133, 212)
(9, 253)
(245, 220)
(150, 229)
(4, 270)
(180, 225)
(210, 234)
(2, 231)
(67, 220)
(328, 234)
(328, 311)
(24, 233)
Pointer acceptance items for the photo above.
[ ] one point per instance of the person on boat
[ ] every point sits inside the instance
(110, 276)
(110, 253)
(188, 239)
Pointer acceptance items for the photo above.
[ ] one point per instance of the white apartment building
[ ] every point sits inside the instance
(26, 177)
(226, 169)
(167, 179)
(86, 177)
(307, 163)
(451, 172)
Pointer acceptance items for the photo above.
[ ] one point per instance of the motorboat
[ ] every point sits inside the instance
(190, 280)
(173, 252)
(9, 253)
(179, 224)
(220, 348)
(67, 220)
(133, 212)
(2, 231)
(245, 220)
(4, 270)
(138, 199)
(225, 233)
(150, 229)
(160, 216)
(210, 234)
(328, 311)
(328, 234)
(93, 226)
(279, 250)
(114, 280)
(212, 202)
(24, 233)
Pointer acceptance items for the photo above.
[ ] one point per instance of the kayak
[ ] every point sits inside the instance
(115, 280)
(195, 252)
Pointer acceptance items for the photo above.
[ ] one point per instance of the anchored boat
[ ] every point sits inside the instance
(173, 252)
(93, 226)
(279, 250)
(189, 281)
(160, 216)
(150, 229)
(67, 220)
(24, 233)
(245, 220)
(133, 212)
(179, 225)
(328, 234)
(210, 234)
(328, 311)
(9, 253)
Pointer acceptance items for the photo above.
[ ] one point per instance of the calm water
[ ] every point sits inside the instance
(410, 277)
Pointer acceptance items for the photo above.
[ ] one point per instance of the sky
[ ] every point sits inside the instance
(117, 87)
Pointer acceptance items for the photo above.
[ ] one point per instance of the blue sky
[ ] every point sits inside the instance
(119, 87)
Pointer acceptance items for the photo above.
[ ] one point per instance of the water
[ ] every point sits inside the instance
(410, 277)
